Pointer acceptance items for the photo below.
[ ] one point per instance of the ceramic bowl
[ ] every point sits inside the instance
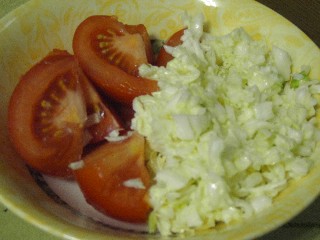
(36, 27)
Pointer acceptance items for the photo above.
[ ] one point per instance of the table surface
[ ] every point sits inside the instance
(306, 226)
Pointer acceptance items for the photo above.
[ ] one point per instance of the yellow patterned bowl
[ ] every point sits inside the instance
(38, 26)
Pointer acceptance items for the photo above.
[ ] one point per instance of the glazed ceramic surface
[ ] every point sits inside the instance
(35, 28)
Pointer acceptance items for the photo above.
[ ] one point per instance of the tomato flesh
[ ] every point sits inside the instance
(141, 29)
(101, 118)
(110, 53)
(164, 57)
(126, 114)
(103, 176)
(46, 115)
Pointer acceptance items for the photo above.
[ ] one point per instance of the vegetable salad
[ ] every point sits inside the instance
(229, 128)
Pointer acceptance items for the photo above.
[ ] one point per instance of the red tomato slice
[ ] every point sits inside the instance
(47, 113)
(141, 29)
(125, 112)
(110, 53)
(105, 173)
(101, 119)
(164, 57)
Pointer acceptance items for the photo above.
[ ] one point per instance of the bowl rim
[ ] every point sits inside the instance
(30, 214)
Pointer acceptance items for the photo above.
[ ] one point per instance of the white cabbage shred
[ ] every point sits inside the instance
(230, 126)
(114, 136)
(134, 183)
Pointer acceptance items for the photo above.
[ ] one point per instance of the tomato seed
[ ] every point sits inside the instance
(101, 37)
(45, 104)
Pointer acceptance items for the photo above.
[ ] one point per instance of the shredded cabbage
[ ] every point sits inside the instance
(229, 127)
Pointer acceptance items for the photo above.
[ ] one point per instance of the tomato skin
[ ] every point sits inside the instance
(175, 40)
(104, 172)
(117, 77)
(141, 29)
(40, 128)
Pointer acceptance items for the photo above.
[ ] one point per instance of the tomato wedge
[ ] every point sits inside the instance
(164, 57)
(46, 114)
(110, 53)
(126, 114)
(141, 29)
(106, 176)
(101, 118)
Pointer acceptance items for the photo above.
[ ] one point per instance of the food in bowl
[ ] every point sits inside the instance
(227, 129)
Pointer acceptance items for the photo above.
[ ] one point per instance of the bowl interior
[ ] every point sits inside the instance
(35, 28)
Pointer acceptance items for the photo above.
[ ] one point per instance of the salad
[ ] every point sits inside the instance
(208, 130)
